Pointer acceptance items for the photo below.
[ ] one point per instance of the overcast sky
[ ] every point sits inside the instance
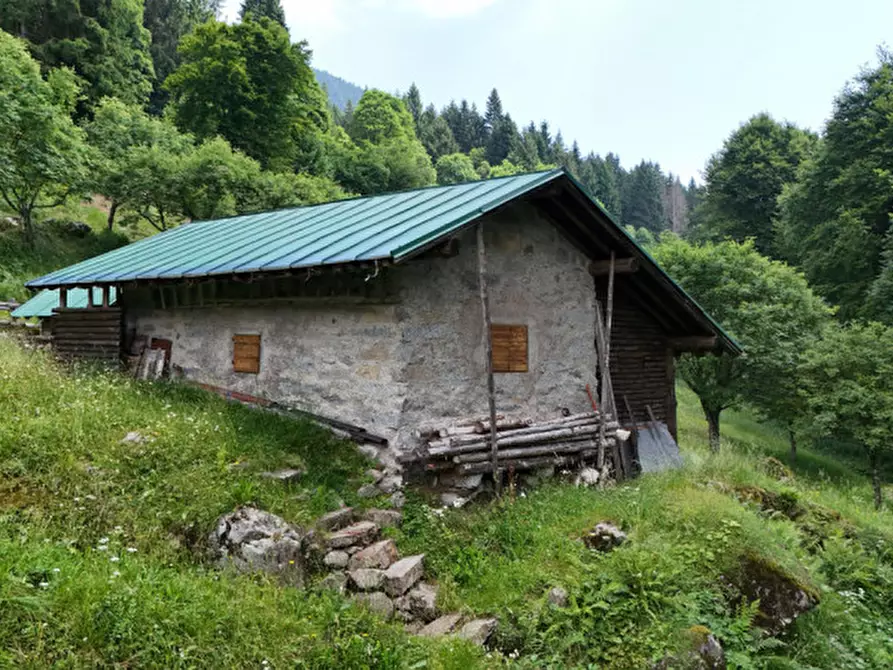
(646, 79)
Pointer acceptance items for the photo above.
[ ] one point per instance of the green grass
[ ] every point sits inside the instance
(67, 481)
(54, 247)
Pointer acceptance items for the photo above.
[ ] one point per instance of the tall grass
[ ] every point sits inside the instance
(74, 496)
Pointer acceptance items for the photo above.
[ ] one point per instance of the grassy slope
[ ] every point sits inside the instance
(54, 247)
(66, 482)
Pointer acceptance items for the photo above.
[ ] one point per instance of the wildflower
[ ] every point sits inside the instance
(114, 559)
(43, 585)
(56, 570)
(103, 547)
(103, 540)
(116, 573)
(118, 529)
(131, 550)
(90, 496)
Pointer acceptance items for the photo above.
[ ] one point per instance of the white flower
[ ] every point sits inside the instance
(103, 547)
(56, 570)
(90, 496)
(116, 574)
(103, 540)
(114, 559)
(43, 585)
(131, 550)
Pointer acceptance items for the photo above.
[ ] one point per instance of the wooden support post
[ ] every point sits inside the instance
(90, 302)
(621, 266)
(63, 298)
(488, 350)
(106, 295)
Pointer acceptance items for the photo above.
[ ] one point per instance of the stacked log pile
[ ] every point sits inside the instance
(464, 446)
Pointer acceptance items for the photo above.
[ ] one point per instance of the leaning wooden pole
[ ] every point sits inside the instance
(488, 351)
(609, 320)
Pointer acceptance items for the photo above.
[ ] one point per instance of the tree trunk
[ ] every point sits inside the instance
(876, 481)
(793, 438)
(110, 222)
(712, 427)
(27, 226)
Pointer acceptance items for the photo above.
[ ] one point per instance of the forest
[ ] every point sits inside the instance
(165, 114)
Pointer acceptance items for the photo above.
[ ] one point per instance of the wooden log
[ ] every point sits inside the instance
(505, 424)
(602, 353)
(488, 336)
(525, 464)
(559, 448)
(465, 440)
(621, 266)
(471, 422)
(535, 438)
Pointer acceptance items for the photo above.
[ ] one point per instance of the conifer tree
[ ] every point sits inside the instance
(256, 9)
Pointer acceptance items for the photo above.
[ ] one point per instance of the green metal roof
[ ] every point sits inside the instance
(43, 304)
(381, 227)
(389, 227)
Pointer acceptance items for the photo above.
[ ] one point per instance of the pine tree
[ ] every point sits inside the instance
(503, 139)
(493, 115)
(255, 9)
(642, 195)
(544, 143)
(413, 101)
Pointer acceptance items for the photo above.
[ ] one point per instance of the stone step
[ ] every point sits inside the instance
(442, 626)
(337, 519)
(366, 579)
(378, 555)
(478, 631)
(360, 533)
(403, 575)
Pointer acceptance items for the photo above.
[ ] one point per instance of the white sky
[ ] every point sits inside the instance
(647, 79)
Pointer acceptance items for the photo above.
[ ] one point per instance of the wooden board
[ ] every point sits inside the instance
(246, 353)
(509, 348)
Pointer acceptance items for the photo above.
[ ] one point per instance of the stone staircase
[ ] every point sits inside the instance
(372, 572)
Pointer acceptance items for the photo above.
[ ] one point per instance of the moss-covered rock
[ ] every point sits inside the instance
(782, 596)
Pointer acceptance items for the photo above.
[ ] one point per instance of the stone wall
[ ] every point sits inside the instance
(419, 354)
(536, 278)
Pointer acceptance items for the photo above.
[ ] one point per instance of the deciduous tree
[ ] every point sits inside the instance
(766, 305)
(455, 169)
(848, 385)
(43, 156)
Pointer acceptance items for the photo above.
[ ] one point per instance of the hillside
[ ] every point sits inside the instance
(340, 91)
(102, 544)
(67, 235)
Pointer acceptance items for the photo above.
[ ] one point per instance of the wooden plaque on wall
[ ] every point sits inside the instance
(246, 353)
(509, 348)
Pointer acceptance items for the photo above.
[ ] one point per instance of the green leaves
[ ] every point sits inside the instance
(43, 157)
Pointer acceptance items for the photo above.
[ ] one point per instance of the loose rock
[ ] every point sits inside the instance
(421, 602)
(336, 560)
(403, 575)
(390, 483)
(336, 519)
(375, 475)
(450, 499)
(782, 598)
(587, 477)
(368, 491)
(252, 540)
(376, 602)
(384, 517)
(398, 499)
(134, 437)
(557, 596)
(442, 626)
(478, 631)
(362, 532)
(604, 537)
(366, 579)
(286, 476)
(379, 555)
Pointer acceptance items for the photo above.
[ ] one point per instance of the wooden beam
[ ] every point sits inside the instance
(488, 336)
(621, 266)
(63, 298)
(693, 343)
(106, 299)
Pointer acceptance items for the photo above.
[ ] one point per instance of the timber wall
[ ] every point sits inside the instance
(642, 364)
(90, 334)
